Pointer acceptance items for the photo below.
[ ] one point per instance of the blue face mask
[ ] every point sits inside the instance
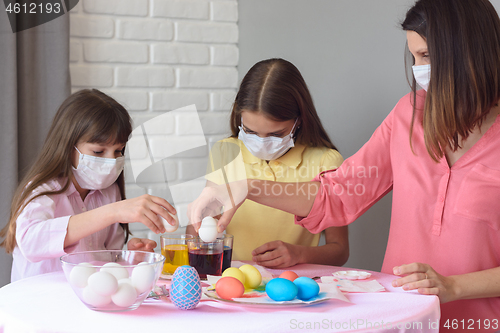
(268, 148)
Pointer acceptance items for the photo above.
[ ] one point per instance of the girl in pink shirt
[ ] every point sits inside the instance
(72, 198)
(439, 152)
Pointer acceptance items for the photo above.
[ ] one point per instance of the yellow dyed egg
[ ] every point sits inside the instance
(252, 276)
(236, 273)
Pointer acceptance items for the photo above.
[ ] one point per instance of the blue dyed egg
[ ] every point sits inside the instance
(185, 291)
(307, 288)
(280, 290)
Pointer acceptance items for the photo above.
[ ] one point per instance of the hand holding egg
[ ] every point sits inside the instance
(168, 226)
(208, 229)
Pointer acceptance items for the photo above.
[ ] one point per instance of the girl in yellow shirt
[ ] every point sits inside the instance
(275, 126)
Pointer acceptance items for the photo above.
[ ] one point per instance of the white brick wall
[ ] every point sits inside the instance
(155, 56)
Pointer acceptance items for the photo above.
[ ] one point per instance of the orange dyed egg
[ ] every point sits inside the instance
(229, 287)
(289, 275)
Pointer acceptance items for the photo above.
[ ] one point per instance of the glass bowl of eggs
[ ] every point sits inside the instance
(112, 280)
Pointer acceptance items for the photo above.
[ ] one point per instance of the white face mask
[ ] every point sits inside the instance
(268, 148)
(422, 75)
(97, 173)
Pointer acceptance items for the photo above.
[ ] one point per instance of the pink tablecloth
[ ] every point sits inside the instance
(46, 303)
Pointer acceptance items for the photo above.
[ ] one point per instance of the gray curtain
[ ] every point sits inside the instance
(34, 81)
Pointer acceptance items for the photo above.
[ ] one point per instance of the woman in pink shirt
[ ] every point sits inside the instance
(438, 151)
(72, 197)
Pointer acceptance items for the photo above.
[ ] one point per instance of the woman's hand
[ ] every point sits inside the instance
(426, 280)
(141, 244)
(213, 199)
(145, 209)
(277, 254)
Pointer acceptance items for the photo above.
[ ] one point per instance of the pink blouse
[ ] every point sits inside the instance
(42, 225)
(446, 217)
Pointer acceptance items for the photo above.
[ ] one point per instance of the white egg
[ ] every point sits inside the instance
(142, 277)
(94, 299)
(125, 281)
(79, 275)
(168, 227)
(208, 229)
(103, 283)
(115, 269)
(125, 296)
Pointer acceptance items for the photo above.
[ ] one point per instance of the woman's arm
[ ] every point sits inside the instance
(340, 197)
(295, 198)
(481, 284)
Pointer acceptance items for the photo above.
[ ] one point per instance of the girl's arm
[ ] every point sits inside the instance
(335, 252)
(278, 254)
(144, 209)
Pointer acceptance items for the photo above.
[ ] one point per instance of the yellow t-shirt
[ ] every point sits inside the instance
(254, 224)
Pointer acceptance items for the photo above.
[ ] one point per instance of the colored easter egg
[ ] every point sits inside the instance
(236, 273)
(289, 275)
(307, 288)
(185, 291)
(229, 287)
(280, 290)
(253, 278)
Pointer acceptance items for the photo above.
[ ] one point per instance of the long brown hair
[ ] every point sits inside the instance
(276, 88)
(463, 41)
(87, 115)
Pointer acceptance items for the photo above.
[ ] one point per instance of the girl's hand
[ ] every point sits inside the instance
(213, 199)
(426, 280)
(145, 209)
(276, 254)
(141, 244)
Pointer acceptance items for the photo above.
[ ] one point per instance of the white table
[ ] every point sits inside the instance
(46, 303)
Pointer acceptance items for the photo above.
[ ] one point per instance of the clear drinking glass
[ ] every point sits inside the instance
(227, 256)
(206, 257)
(174, 249)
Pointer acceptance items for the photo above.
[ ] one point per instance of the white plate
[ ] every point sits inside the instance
(352, 275)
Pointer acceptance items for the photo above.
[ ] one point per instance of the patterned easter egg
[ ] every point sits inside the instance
(185, 291)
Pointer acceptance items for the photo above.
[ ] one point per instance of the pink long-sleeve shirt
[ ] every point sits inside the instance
(42, 225)
(446, 217)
